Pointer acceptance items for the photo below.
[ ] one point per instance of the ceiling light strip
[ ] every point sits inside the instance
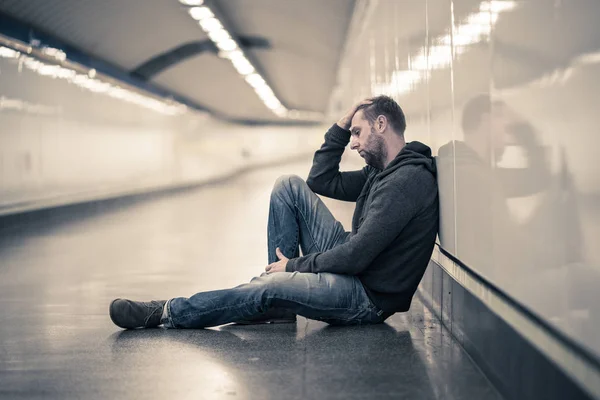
(229, 49)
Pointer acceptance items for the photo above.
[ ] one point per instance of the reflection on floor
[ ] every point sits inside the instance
(58, 276)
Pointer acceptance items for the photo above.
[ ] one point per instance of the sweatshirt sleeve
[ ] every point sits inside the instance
(393, 205)
(325, 177)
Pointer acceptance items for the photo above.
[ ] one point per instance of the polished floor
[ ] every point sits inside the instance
(58, 275)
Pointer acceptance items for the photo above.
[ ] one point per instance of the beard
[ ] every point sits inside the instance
(375, 152)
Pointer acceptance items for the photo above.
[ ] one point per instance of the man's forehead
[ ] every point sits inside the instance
(357, 118)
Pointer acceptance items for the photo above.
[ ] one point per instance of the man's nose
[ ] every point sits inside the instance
(353, 144)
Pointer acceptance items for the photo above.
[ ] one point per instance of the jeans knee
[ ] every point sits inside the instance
(270, 284)
(289, 183)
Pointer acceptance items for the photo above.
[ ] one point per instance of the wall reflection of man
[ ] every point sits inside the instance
(474, 190)
(538, 259)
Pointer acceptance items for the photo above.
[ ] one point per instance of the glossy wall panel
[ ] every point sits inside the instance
(65, 134)
(506, 94)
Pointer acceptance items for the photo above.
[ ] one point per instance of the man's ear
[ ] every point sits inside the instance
(381, 123)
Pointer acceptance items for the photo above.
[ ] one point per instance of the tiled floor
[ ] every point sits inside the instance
(58, 275)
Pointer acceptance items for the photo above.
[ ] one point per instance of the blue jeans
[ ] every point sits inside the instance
(297, 219)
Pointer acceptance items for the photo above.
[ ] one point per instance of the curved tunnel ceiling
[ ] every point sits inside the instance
(295, 44)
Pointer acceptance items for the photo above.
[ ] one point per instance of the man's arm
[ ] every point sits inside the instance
(325, 177)
(393, 206)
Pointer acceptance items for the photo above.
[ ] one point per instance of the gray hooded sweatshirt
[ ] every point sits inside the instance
(394, 226)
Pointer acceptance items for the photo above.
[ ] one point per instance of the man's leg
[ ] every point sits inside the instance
(333, 298)
(298, 218)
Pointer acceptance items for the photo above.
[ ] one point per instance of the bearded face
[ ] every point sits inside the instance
(374, 151)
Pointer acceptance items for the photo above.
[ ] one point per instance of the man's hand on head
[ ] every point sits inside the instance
(346, 121)
(278, 266)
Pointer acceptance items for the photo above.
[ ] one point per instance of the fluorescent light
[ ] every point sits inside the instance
(227, 45)
(243, 66)
(210, 24)
(219, 35)
(231, 54)
(273, 103)
(265, 92)
(229, 49)
(191, 2)
(255, 80)
(200, 13)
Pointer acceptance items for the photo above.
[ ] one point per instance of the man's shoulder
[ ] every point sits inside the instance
(412, 172)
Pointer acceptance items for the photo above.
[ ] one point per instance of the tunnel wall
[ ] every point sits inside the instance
(506, 95)
(69, 133)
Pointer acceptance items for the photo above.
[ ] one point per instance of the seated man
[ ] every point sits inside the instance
(358, 277)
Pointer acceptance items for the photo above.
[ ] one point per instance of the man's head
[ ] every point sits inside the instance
(375, 127)
(487, 125)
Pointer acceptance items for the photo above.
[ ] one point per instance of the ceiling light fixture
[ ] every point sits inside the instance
(192, 2)
(200, 13)
(218, 35)
(229, 49)
(227, 45)
(210, 24)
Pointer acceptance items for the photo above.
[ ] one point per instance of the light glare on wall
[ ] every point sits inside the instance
(476, 28)
(497, 6)
(5, 52)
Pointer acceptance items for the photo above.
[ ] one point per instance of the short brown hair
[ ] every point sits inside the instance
(385, 105)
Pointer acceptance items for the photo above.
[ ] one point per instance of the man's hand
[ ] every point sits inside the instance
(346, 121)
(278, 266)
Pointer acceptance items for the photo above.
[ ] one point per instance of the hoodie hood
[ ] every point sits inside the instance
(414, 153)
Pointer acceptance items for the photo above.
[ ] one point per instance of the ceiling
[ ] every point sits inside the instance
(305, 40)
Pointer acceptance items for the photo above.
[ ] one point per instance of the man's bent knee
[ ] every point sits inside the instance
(290, 184)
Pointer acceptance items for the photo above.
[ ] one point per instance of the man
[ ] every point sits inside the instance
(358, 277)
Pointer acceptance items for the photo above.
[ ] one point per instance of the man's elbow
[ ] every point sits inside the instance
(314, 185)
